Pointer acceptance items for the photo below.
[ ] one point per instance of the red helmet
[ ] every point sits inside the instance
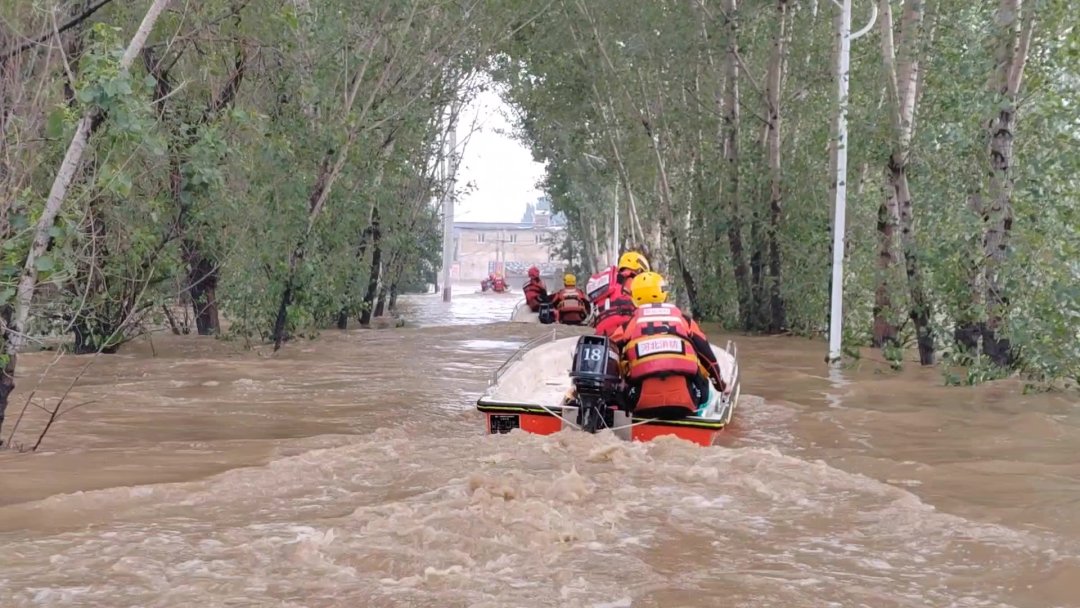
(534, 273)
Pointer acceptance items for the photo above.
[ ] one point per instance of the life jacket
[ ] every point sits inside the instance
(570, 302)
(533, 290)
(657, 344)
(498, 285)
(616, 313)
(608, 284)
(600, 284)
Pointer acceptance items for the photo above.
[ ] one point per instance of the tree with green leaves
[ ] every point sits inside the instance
(714, 120)
(269, 165)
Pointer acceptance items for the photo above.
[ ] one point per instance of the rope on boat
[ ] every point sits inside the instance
(632, 424)
(559, 415)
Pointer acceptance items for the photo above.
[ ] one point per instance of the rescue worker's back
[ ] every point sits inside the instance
(668, 361)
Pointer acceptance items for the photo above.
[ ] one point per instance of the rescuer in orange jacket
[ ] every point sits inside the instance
(570, 304)
(614, 281)
(618, 311)
(498, 285)
(535, 290)
(668, 362)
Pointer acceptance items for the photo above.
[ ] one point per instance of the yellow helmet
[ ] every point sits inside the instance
(648, 288)
(634, 261)
(569, 280)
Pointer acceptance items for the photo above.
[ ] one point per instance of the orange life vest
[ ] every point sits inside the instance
(658, 344)
(533, 290)
(619, 310)
(600, 284)
(608, 285)
(569, 301)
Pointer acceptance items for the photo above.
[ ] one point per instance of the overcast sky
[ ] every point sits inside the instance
(501, 169)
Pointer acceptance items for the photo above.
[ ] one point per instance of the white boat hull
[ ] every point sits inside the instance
(528, 393)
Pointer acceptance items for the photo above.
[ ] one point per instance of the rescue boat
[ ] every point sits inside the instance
(522, 313)
(530, 392)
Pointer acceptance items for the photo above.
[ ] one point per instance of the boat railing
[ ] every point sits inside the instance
(513, 313)
(733, 349)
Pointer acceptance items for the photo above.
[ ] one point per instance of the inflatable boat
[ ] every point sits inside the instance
(554, 383)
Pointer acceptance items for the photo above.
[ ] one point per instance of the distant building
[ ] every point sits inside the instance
(481, 248)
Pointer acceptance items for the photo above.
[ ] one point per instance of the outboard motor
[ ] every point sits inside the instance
(547, 311)
(596, 378)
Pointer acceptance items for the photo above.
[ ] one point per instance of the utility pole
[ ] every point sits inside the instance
(449, 177)
(836, 313)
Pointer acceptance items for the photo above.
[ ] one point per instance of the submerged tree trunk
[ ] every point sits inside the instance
(367, 307)
(730, 142)
(921, 311)
(361, 252)
(758, 316)
(774, 82)
(391, 304)
(967, 333)
(902, 79)
(1015, 39)
(202, 280)
(388, 145)
(886, 330)
(380, 302)
(7, 368)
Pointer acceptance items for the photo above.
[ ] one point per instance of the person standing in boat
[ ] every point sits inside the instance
(571, 305)
(608, 285)
(667, 360)
(498, 284)
(535, 290)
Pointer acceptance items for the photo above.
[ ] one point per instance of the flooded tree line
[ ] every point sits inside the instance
(266, 169)
(258, 170)
(711, 126)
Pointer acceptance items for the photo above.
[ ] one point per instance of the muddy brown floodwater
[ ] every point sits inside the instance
(353, 471)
